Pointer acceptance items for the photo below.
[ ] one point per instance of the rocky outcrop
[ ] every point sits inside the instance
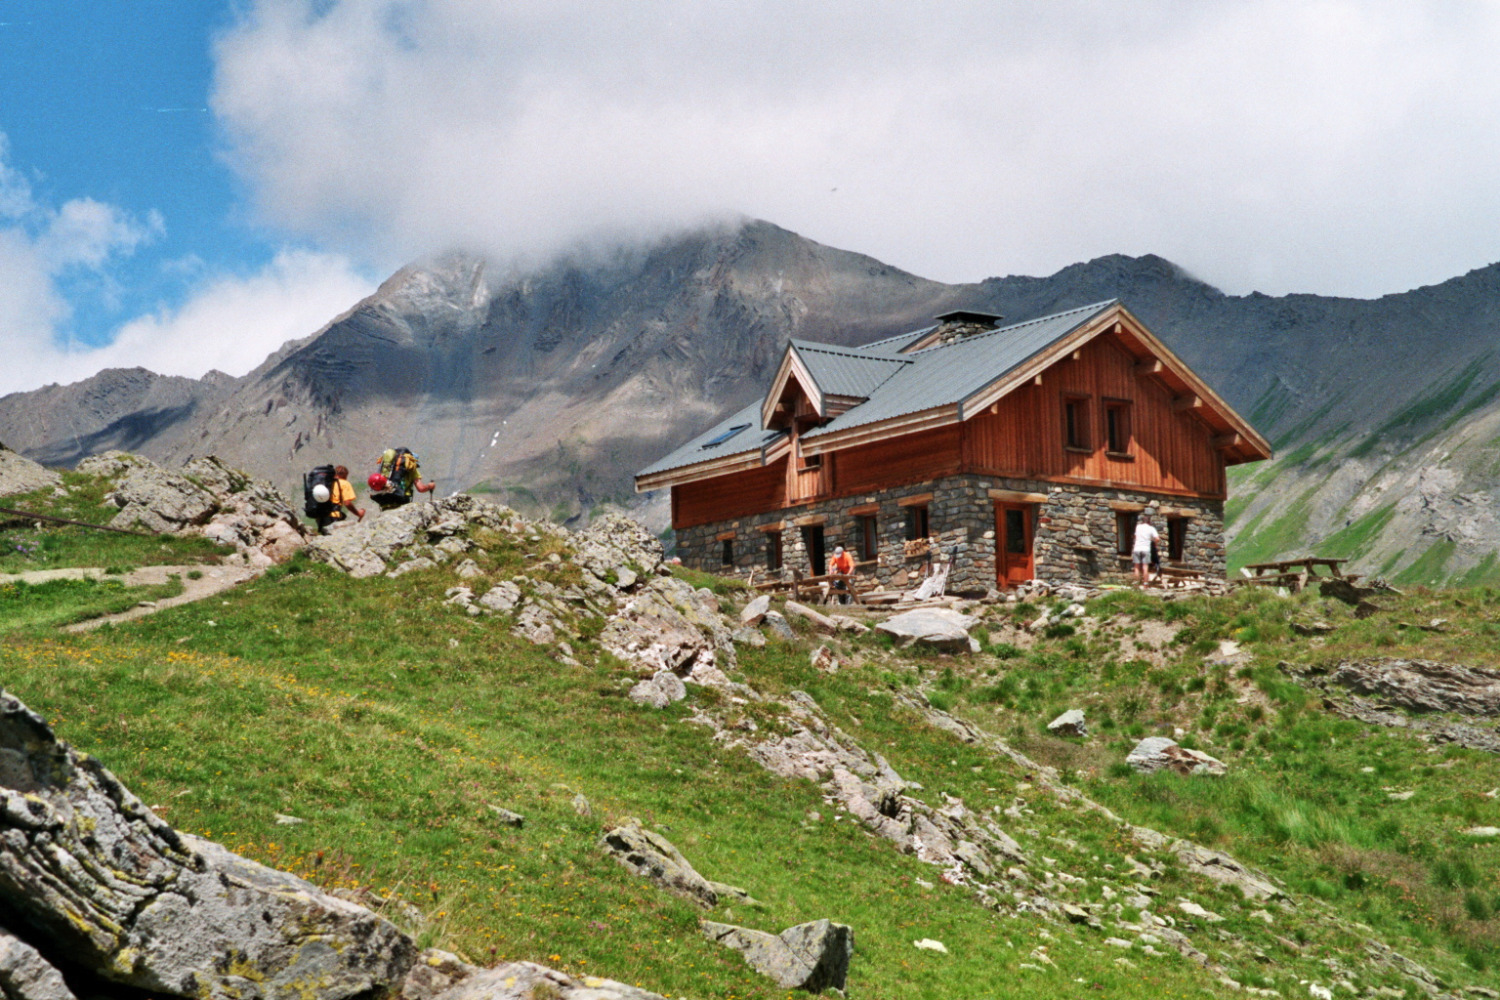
(96, 879)
(812, 956)
(436, 531)
(1158, 753)
(1424, 685)
(19, 474)
(206, 498)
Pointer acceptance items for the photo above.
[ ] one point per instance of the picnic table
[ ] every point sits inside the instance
(1294, 574)
(823, 585)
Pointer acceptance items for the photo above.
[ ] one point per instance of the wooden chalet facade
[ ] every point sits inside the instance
(1023, 451)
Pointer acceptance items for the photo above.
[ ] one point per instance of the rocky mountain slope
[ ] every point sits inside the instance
(551, 387)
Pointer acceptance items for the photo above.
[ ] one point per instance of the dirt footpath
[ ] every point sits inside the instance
(214, 580)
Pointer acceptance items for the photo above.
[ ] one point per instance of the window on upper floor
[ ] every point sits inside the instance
(1117, 426)
(1076, 423)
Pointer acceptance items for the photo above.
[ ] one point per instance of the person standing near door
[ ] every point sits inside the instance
(1140, 553)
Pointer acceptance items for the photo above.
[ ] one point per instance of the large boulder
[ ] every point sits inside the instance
(1158, 753)
(19, 474)
(91, 876)
(812, 956)
(934, 628)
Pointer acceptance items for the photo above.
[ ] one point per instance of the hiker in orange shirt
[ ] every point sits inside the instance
(842, 566)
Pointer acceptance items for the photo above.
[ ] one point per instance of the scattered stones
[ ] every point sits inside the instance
(1070, 723)
(282, 819)
(778, 624)
(507, 818)
(928, 944)
(748, 637)
(819, 621)
(934, 628)
(650, 855)
(1312, 628)
(1483, 831)
(824, 659)
(581, 806)
(1194, 910)
(625, 577)
(529, 981)
(661, 690)
(812, 956)
(1158, 753)
(755, 612)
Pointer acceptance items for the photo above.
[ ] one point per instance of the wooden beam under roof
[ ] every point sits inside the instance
(1184, 403)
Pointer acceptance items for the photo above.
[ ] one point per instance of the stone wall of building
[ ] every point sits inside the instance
(1075, 533)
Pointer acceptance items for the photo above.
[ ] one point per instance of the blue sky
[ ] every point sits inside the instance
(109, 101)
(187, 184)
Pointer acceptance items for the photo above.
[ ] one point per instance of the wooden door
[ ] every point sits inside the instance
(1013, 560)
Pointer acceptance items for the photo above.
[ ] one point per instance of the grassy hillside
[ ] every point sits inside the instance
(390, 723)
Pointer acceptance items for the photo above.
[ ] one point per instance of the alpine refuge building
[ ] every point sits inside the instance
(1015, 452)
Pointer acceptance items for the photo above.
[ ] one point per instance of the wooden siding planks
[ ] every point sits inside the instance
(1024, 437)
(723, 498)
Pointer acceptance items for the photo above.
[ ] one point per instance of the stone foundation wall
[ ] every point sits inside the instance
(1074, 533)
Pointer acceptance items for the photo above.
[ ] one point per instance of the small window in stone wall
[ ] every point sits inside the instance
(1125, 531)
(1176, 538)
(869, 538)
(773, 550)
(916, 523)
(726, 552)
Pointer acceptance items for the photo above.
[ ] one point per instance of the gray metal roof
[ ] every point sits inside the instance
(749, 440)
(846, 372)
(950, 373)
(892, 384)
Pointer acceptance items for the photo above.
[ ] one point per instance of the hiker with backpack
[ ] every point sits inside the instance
(397, 479)
(326, 494)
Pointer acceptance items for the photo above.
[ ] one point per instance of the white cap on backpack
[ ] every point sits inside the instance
(320, 493)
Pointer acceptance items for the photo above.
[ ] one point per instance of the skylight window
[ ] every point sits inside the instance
(725, 436)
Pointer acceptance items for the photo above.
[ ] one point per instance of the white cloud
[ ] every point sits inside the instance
(233, 323)
(228, 321)
(1339, 146)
